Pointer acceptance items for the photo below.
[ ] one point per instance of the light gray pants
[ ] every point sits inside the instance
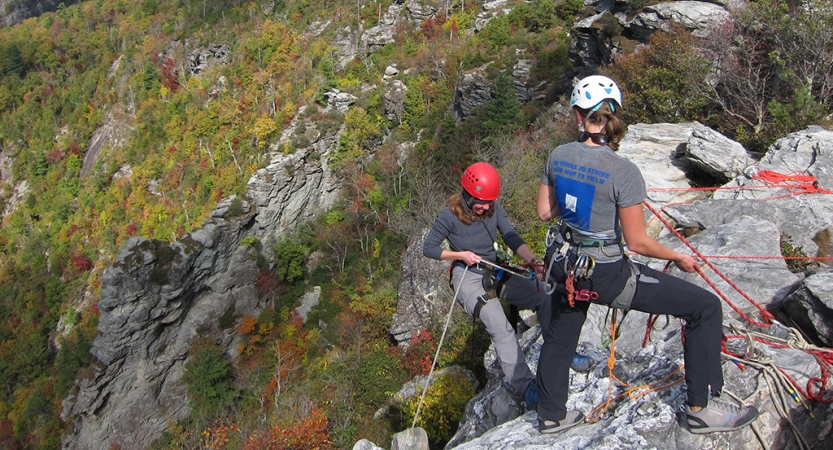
(509, 353)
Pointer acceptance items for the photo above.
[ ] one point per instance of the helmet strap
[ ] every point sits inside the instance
(469, 200)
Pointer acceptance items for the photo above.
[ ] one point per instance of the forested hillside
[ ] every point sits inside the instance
(127, 118)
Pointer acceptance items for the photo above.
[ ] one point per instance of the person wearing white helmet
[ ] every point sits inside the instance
(597, 195)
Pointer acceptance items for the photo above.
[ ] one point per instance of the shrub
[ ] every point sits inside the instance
(418, 357)
(443, 407)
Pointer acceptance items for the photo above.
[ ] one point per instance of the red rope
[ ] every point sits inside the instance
(767, 316)
(796, 183)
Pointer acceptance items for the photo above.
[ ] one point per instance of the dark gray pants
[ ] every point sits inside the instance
(656, 293)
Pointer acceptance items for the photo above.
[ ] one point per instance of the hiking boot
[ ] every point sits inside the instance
(531, 395)
(581, 363)
(556, 426)
(719, 416)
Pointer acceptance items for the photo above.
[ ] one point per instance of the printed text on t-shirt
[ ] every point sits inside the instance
(589, 174)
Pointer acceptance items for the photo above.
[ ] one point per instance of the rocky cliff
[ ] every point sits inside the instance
(158, 296)
(12, 12)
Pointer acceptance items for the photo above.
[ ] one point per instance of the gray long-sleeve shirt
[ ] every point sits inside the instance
(478, 237)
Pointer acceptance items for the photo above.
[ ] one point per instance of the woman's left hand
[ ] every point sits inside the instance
(540, 269)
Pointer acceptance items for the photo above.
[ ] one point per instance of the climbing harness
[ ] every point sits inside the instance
(494, 277)
(624, 299)
(604, 250)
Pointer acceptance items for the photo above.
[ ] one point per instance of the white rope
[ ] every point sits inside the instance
(439, 346)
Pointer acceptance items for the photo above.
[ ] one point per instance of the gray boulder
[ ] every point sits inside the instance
(422, 294)
(395, 100)
(419, 11)
(473, 90)
(202, 59)
(716, 154)
(810, 308)
(696, 17)
(382, 33)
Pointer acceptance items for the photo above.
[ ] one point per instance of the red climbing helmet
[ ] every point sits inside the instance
(481, 181)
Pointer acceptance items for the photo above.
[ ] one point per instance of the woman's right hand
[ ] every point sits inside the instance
(686, 263)
(469, 258)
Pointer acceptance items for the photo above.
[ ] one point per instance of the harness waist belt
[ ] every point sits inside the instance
(577, 239)
(476, 268)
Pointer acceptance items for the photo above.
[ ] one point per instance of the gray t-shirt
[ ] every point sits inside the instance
(478, 237)
(591, 183)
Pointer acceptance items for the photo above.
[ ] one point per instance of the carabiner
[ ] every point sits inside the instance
(586, 295)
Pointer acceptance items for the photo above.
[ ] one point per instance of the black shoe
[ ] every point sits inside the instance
(549, 426)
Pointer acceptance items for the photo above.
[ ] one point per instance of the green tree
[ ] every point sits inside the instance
(660, 82)
(209, 377)
(503, 113)
(291, 256)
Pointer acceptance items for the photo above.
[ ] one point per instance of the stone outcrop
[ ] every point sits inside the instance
(13, 12)
(694, 16)
(155, 299)
(382, 33)
(473, 91)
(594, 45)
(294, 187)
(202, 59)
(112, 134)
(346, 44)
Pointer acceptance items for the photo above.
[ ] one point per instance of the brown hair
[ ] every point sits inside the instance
(614, 128)
(463, 212)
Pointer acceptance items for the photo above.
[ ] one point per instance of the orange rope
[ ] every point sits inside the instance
(631, 392)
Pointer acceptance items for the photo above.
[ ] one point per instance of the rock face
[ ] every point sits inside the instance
(202, 59)
(596, 44)
(15, 12)
(740, 236)
(155, 299)
(473, 91)
(293, 188)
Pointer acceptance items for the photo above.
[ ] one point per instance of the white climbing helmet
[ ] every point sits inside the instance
(591, 91)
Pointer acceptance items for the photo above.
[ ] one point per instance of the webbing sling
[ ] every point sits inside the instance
(625, 298)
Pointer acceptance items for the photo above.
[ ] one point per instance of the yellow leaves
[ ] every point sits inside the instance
(263, 128)
(195, 83)
(377, 247)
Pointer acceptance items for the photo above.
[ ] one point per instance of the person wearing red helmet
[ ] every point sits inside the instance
(471, 222)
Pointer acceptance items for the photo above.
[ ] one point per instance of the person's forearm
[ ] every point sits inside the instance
(648, 246)
(525, 253)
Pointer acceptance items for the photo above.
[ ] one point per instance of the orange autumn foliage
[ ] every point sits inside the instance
(309, 433)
